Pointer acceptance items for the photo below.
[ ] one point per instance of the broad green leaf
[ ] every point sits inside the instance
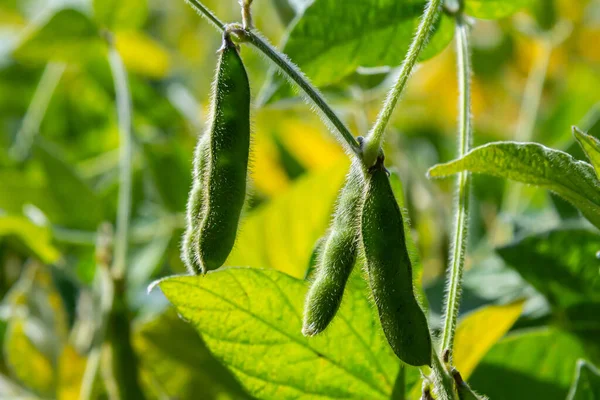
(282, 234)
(586, 385)
(37, 239)
(69, 35)
(120, 14)
(591, 147)
(478, 331)
(533, 364)
(75, 197)
(26, 362)
(494, 9)
(251, 319)
(332, 39)
(177, 361)
(561, 264)
(537, 165)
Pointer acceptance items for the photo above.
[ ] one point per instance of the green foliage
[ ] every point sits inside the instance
(591, 147)
(586, 385)
(120, 14)
(331, 41)
(494, 9)
(534, 164)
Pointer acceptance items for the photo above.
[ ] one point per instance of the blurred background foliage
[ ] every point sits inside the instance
(59, 182)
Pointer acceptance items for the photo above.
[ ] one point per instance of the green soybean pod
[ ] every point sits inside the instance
(390, 271)
(337, 256)
(227, 164)
(189, 253)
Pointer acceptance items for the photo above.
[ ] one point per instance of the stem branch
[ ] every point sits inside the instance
(289, 69)
(375, 137)
(459, 244)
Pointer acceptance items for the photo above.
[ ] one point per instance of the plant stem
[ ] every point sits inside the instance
(123, 101)
(36, 110)
(375, 138)
(291, 71)
(442, 382)
(301, 80)
(461, 219)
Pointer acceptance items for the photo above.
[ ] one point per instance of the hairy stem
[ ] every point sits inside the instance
(37, 109)
(376, 135)
(461, 219)
(290, 70)
(123, 101)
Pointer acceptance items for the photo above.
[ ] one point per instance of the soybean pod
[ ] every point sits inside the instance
(227, 160)
(390, 271)
(337, 256)
(189, 253)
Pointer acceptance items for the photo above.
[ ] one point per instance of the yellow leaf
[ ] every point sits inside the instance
(281, 235)
(267, 175)
(142, 55)
(479, 331)
(71, 369)
(25, 361)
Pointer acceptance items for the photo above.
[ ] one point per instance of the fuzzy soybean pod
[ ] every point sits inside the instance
(390, 271)
(227, 161)
(337, 256)
(189, 253)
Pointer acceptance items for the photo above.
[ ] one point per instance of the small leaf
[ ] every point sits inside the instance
(69, 35)
(37, 239)
(478, 331)
(332, 39)
(591, 147)
(251, 320)
(282, 234)
(494, 9)
(533, 364)
(120, 14)
(537, 165)
(586, 385)
(561, 264)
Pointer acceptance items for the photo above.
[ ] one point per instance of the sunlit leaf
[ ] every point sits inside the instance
(537, 165)
(71, 368)
(251, 320)
(120, 14)
(535, 364)
(586, 385)
(179, 363)
(282, 234)
(493, 9)
(561, 264)
(591, 147)
(141, 54)
(331, 39)
(27, 363)
(69, 35)
(478, 331)
(37, 239)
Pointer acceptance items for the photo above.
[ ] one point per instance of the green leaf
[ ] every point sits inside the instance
(537, 165)
(75, 197)
(561, 264)
(591, 147)
(586, 385)
(176, 359)
(251, 320)
(332, 39)
(120, 14)
(494, 9)
(69, 35)
(536, 364)
(37, 239)
(282, 234)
